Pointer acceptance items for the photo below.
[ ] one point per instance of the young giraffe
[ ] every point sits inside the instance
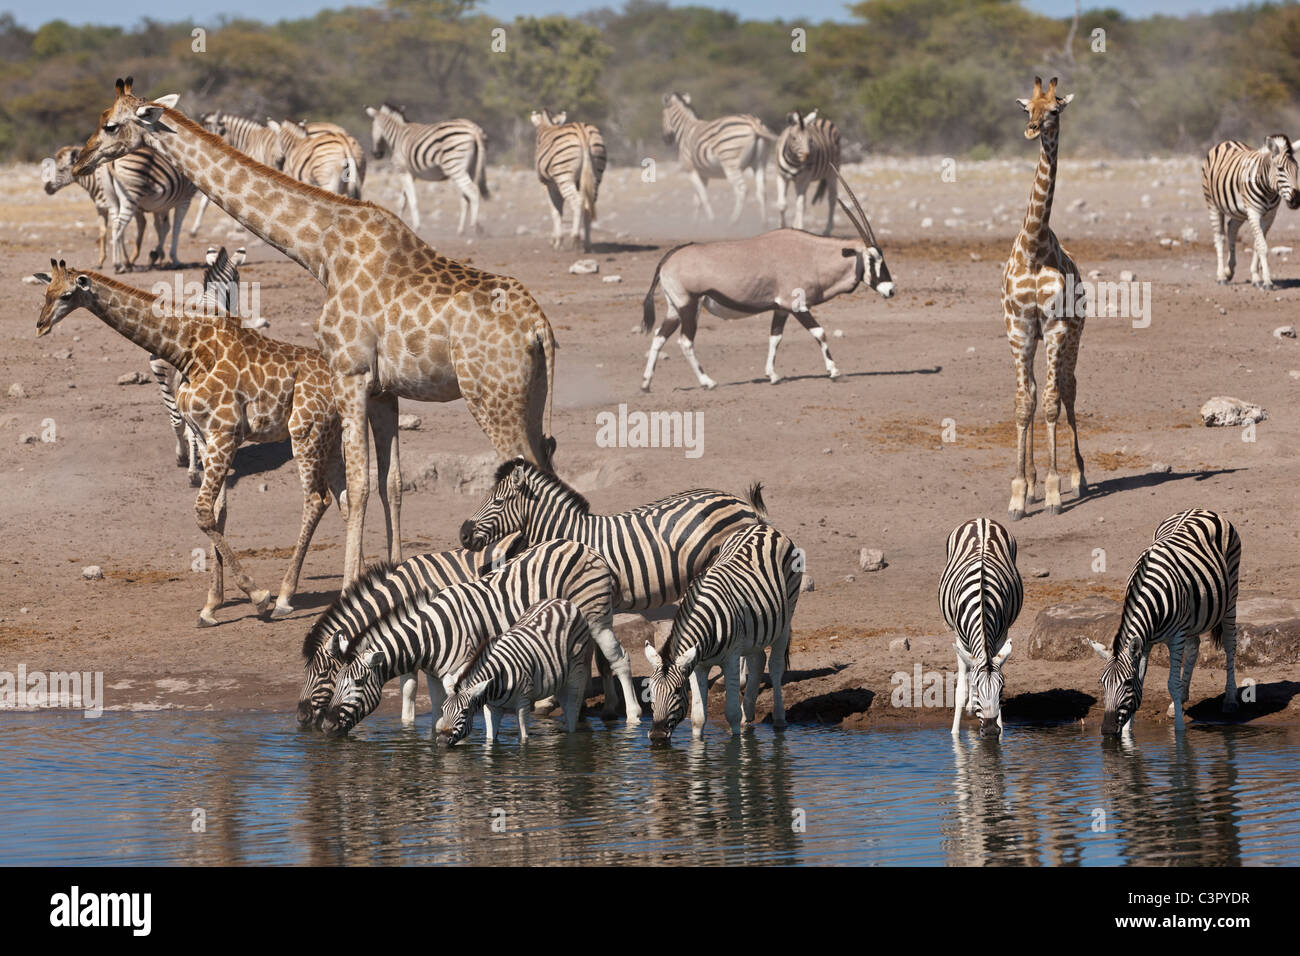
(241, 386)
(398, 320)
(1033, 292)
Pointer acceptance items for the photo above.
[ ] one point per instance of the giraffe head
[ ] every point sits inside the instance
(545, 117)
(383, 117)
(66, 290)
(123, 126)
(1044, 109)
(1286, 175)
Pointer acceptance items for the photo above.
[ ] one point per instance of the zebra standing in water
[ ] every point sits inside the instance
(378, 591)
(1183, 584)
(455, 150)
(260, 142)
(56, 172)
(438, 633)
(547, 653)
(981, 594)
(738, 607)
(807, 151)
(725, 146)
(1240, 184)
(323, 155)
(570, 162)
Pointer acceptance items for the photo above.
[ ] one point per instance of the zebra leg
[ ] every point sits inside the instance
(1233, 226)
(702, 194)
(760, 187)
(669, 326)
(1260, 260)
(738, 189)
(773, 340)
(832, 193)
(574, 199)
(382, 413)
(162, 372)
(178, 219)
(408, 191)
(814, 327)
(780, 197)
(437, 697)
(1191, 651)
(139, 234)
(1217, 219)
(699, 700)
(468, 202)
(557, 214)
(521, 717)
(120, 262)
(161, 226)
(1228, 638)
(751, 682)
(800, 198)
(491, 722)
(961, 694)
(310, 450)
(1175, 683)
(602, 632)
(410, 686)
(686, 339)
(731, 681)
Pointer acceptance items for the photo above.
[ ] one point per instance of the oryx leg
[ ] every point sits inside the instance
(669, 325)
(808, 322)
(773, 341)
(686, 339)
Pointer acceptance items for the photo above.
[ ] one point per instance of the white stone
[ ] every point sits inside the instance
(870, 559)
(93, 573)
(1223, 410)
(16, 390)
(1127, 276)
(1284, 332)
(584, 267)
(409, 423)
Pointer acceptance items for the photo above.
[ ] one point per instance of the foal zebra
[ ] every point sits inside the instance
(570, 163)
(547, 653)
(378, 591)
(1183, 584)
(725, 146)
(455, 150)
(1239, 184)
(260, 142)
(323, 155)
(807, 151)
(56, 172)
(738, 607)
(981, 594)
(438, 633)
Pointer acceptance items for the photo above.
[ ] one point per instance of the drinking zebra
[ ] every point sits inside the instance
(807, 151)
(1240, 184)
(570, 163)
(738, 607)
(455, 150)
(323, 155)
(438, 633)
(260, 142)
(378, 591)
(981, 594)
(56, 172)
(546, 653)
(1183, 584)
(725, 146)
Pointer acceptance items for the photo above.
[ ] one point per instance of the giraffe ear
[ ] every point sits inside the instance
(169, 101)
(1063, 101)
(150, 117)
(1024, 105)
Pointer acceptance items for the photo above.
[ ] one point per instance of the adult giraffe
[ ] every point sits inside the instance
(398, 320)
(1036, 305)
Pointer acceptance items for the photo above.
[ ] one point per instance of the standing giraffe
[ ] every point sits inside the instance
(1033, 293)
(398, 320)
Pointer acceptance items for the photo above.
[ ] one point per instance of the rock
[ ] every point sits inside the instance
(584, 267)
(465, 474)
(1268, 632)
(1294, 373)
(1061, 632)
(1094, 273)
(869, 559)
(850, 578)
(1127, 276)
(263, 487)
(838, 334)
(132, 378)
(93, 573)
(1284, 332)
(1281, 250)
(807, 583)
(1039, 572)
(927, 222)
(16, 390)
(26, 439)
(1222, 311)
(976, 257)
(1078, 204)
(62, 354)
(899, 644)
(1167, 243)
(1222, 410)
(611, 279)
(521, 230)
(1189, 234)
(1160, 468)
(409, 423)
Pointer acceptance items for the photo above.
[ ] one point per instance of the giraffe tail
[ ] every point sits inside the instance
(546, 338)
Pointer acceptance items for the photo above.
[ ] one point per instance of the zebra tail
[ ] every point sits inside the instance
(755, 496)
(351, 185)
(587, 180)
(648, 305)
(1216, 634)
(480, 164)
(821, 191)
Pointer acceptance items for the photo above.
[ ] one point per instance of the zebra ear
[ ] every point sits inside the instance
(370, 111)
(961, 653)
(1002, 655)
(652, 656)
(1101, 651)
(374, 659)
(809, 117)
(686, 660)
(238, 258)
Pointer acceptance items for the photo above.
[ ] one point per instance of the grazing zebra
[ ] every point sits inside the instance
(455, 150)
(379, 590)
(725, 146)
(260, 142)
(1183, 584)
(323, 155)
(438, 633)
(807, 151)
(738, 607)
(570, 163)
(653, 550)
(546, 653)
(1239, 184)
(980, 594)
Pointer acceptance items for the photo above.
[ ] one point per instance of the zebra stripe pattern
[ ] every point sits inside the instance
(570, 162)
(323, 155)
(381, 589)
(455, 150)
(56, 172)
(1183, 584)
(1240, 184)
(438, 633)
(980, 594)
(260, 142)
(738, 607)
(725, 146)
(654, 550)
(145, 181)
(807, 151)
(546, 653)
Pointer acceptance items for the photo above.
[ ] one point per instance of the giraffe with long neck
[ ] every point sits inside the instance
(398, 319)
(240, 387)
(1038, 302)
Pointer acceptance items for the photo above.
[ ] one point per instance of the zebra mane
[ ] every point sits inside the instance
(323, 629)
(394, 108)
(473, 659)
(1118, 646)
(567, 492)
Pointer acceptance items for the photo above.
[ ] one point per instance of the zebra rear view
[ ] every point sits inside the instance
(1241, 184)
(570, 162)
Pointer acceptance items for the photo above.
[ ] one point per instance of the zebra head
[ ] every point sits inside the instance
(383, 120)
(357, 693)
(677, 108)
(123, 127)
(56, 171)
(668, 690)
(986, 685)
(545, 117)
(320, 679)
(504, 510)
(457, 718)
(1285, 174)
(1121, 685)
(66, 291)
(214, 122)
(797, 144)
(1044, 108)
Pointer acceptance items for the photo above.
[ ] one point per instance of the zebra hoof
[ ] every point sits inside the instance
(773, 378)
(196, 479)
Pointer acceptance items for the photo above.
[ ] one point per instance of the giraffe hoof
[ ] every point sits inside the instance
(1015, 514)
(261, 600)
(1053, 509)
(280, 611)
(645, 387)
(206, 619)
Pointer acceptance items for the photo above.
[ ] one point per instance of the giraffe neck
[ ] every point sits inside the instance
(1035, 232)
(134, 314)
(278, 209)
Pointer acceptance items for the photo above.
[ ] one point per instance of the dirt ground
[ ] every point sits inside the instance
(860, 462)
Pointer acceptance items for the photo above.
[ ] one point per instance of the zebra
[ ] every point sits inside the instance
(145, 181)
(980, 594)
(653, 550)
(725, 146)
(323, 155)
(438, 632)
(56, 172)
(455, 150)
(546, 653)
(570, 163)
(1183, 584)
(383, 587)
(737, 608)
(260, 142)
(807, 151)
(1239, 184)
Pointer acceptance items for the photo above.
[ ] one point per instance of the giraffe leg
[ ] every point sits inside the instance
(1068, 387)
(669, 326)
(814, 327)
(350, 394)
(1051, 412)
(220, 452)
(1026, 401)
(383, 425)
(773, 340)
(311, 456)
(217, 577)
